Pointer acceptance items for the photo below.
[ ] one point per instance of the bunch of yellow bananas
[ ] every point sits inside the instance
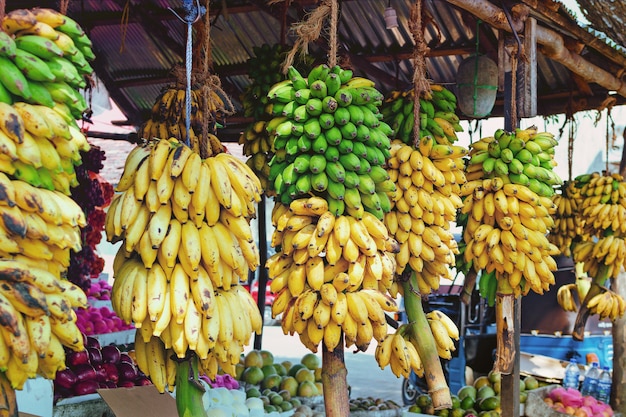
(40, 145)
(607, 304)
(168, 117)
(567, 221)
(331, 274)
(426, 199)
(398, 351)
(257, 144)
(187, 244)
(607, 250)
(506, 232)
(602, 205)
(444, 331)
(437, 114)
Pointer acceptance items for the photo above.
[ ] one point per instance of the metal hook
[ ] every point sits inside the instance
(192, 16)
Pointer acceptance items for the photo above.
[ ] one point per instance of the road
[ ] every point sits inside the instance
(364, 375)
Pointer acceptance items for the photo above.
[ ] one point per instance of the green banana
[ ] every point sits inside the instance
(329, 104)
(350, 162)
(314, 107)
(42, 47)
(319, 181)
(333, 83)
(366, 184)
(301, 164)
(13, 79)
(336, 190)
(296, 78)
(33, 67)
(326, 120)
(317, 163)
(337, 207)
(348, 131)
(5, 95)
(320, 144)
(302, 95)
(318, 89)
(303, 184)
(342, 116)
(346, 146)
(351, 179)
(7, 45)
(332, 154)
(312, 128)
(320, 72)
(352, 198)
(335, 171)
(333, 136)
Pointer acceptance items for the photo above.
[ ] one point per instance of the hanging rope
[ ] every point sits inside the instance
(570, 148)
(206, 87)
(2, 9)
(420, 83)
(308, 31)
(124, 25)
(332, 40)
(63, 6)
(607, 143)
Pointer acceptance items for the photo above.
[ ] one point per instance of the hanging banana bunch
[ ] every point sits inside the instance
(567, 221)
(508, 209)
(43, 60)
(265, 71)
(334, 263)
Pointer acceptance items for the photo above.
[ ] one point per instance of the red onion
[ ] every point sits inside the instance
(110, 353)
(65, 378)
(85, 372)
(125, 357)
(92, 342)
(125, 384)
(127, 371)
(143, 380)
(95, 356)
(85, 387)
(74, 359)
(112, 373)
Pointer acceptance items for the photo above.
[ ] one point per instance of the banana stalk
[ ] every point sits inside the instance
(578, 332)
(336, 401)
(8, 402)
(505, 330)
(423, 339)
(189, 390)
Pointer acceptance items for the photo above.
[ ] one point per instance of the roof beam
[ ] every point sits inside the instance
(552, 43)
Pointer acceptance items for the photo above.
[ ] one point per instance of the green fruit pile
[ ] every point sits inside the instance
(437, 115)
(524, 157)
(334, 140)
(372, 404)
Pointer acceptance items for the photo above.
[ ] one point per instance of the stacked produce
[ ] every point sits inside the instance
(567, 221)
(437, 115)
(96, 367)
(330, 142)
(508, 209)
(265, 71)
(40, 145)
(570, 401)
(184, 223)
(333, 265)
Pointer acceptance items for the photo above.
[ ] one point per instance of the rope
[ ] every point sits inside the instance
(332, 41)
(514, 121)
(420, 83)
(63, 6)
(188, 65)
(570, 148)
(124, 25)
(606, 150)
(206, 88)
(2, 9)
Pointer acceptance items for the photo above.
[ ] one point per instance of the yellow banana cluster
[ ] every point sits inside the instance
(607, 304)
(331, 274)
(444, 331)
(187, 244)
(168, 118)
(608, 250)
(506, 232)
(428, 180)
(602, 205)
(37, 320)
(40, 145)
(565, 297)
(567, 221)
(398, 351)
(257, 144)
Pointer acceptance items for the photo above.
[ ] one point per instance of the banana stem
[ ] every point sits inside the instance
(189, 391)
(468, 286)
(335, 383)
(422, 337)
(8, 402)
(505, 327)
(578, 333)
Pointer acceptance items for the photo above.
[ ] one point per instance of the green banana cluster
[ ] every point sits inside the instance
(265, 71)
(330, 141)
(44, 59)
(437, 115)
(524, 157)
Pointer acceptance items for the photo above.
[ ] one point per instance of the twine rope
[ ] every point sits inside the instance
(63, 6)
(421, 86)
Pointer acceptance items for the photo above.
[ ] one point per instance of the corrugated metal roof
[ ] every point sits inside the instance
(154, 41)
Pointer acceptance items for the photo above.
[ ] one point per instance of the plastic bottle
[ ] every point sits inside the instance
(590, 383)
(572, 375)
(603, 390)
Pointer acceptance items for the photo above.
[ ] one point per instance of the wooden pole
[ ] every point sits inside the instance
(258, 338)
(335, 382)
(618, 397)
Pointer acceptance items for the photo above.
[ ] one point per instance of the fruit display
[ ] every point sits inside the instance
(507, 212)
(481, 398)
(168, 116)
(567, 220)
(570, 401)
(437, 115)
(265, 70)
(94, 368)
(331, 141)
(99, 320)
(372, 404)
(194, 245)
(44, 58)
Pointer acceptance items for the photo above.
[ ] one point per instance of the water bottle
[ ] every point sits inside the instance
(572, 375)
(590, 382)
(603, 390)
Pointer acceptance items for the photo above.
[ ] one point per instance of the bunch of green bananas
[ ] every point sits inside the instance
(44, 59)
(437, 114)
(506, 219)
(187, 245)
(330, 141)
(524, 157)
(567, 221)
(428, 180)
(331, 274)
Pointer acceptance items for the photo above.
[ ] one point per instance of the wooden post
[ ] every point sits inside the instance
(618, 397)
(258, 338)
(527, 82)
(334, 381)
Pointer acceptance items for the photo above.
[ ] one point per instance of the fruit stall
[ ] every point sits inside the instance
(360, 183)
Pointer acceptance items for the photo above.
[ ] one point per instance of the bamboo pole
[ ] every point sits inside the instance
(553, 44)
